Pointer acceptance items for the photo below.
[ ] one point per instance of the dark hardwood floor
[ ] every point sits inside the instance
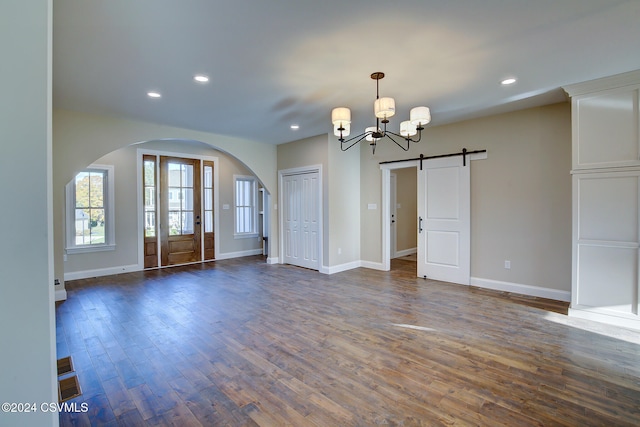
(242, 343)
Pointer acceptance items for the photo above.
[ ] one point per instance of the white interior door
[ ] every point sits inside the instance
(444, 230)
(301, 214)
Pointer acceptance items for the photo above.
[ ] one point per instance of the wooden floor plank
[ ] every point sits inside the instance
(242, 343)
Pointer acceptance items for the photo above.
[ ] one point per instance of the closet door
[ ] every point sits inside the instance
(301, 213)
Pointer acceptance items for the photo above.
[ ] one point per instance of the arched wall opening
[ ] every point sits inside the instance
(81, 139)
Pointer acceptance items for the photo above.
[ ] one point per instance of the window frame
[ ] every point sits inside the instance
(254, 207)
(109, 212)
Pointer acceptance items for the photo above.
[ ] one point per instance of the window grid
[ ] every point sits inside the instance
(245, 206)
(89, 208)
(181, 191)
(208, 199)
(150, 211)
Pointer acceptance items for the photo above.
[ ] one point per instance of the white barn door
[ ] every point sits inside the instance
(301, 195)
(444, 213)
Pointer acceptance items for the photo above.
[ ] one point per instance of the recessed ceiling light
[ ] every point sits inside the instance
(154, 94)
(201, 78)
(295, 127)
(508, 81)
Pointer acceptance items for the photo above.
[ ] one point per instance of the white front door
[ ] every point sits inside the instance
(301, 195)
(444, 211)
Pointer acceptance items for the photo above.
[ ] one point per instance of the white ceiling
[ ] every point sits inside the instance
(273, 63)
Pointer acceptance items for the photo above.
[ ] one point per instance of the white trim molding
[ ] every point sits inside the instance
(229, 255)
(518, 288)
(599, 315)
(373, 265)
(76, 275)
(406, 252)
(341, 267)
(630, 78)
(109, 213)
(61, 294)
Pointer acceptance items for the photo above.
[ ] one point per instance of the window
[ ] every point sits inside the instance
(207, 190)
(181, 198)
(246, 214)
(90, 210)
(150, 185)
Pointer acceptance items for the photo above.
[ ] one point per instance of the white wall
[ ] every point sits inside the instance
(606, 187)
(27, 368)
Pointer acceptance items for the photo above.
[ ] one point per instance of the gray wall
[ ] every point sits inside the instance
(520, 195)
(125, 164)
(26, 290)
(341, 190)
(79, 139)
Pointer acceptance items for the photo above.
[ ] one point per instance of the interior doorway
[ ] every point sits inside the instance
(436, 206)
(402, 214)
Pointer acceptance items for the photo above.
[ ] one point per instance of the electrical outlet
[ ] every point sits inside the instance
(507, 264)
(339, 251)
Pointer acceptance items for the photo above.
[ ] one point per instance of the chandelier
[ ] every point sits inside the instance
(383, 108)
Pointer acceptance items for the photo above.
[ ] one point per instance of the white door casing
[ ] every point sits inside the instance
(301, 213)
(393, 213)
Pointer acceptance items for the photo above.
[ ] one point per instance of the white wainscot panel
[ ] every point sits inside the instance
(608, 129)
(442, 193)
(608, 208)
(608, 277)
(443, 247)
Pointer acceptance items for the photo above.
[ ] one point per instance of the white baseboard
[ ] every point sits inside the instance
(518, 288)
(406, 252)
(273, 260)
(342, 267)
(61, 294)
(604, 316)
(76, 275)
(239, 254)
(373, 265)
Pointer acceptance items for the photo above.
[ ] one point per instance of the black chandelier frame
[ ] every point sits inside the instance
(379, 133)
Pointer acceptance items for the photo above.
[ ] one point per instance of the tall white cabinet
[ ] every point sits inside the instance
(606, 199)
